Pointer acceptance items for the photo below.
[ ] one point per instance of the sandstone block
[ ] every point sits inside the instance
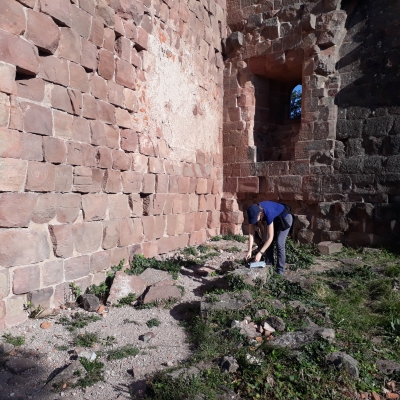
(106, 112)
(41, 177)
(42, 31)
(12, 17)
(136, 204)
(142, 39)
(78, 78)
(62, 240)
(201, 187)
(94, 206)
(4, 284)
(80, 21)
(70, 204)
(125, 74)
(116, 94)
(63, 123)
(129, 140)
(76, 267)
(162, 293)
(74, 156)
(58, 9)
(123, 285)
(139, 163)
(150, 249)
(52, 272)
(31, 147)
(54, 69)
(64, 175)
(69, 47)
(26, 279)
(112, 136)
(106, 64)
(22, 247)
(31, 89)
(55, 150)
(5, 110)
(121, 160)
(89, 107)
(148, 146)
(19, 52)
(118, 206)
(41, 298)
(149, 183)
(110, 234)
(131, 100)
(98, 87)
(100, 261)
(10, 143)
(130, 231)
(97, 32)
(16, 209)
(327, 248)
(123, 118)
(113, 181)
(15, 313)
(87, 237)
(7, 78)
(37, 119)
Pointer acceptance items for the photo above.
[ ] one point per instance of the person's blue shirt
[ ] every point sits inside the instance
(271, 210)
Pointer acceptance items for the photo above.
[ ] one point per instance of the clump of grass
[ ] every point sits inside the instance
(153, 322)
(127, 300)
(122, 352)
(87, 339)
(299, 256)
(62, 348)
(94, 373)
(216, 238)
(236, 238)
(14, 340)
(233, 249)
(189, 251)
(78, 321)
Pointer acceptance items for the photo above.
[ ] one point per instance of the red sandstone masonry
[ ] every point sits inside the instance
(88, 175)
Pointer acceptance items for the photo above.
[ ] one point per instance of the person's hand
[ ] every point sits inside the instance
(248, 255)
(258, 256)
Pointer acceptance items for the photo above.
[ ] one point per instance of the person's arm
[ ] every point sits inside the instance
(267, 243)
(251, 241)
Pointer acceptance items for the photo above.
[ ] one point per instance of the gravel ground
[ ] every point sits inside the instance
(122, 377)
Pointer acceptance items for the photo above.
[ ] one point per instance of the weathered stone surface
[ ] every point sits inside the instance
(155, 277)
(16, 209)
(162, 293)
(23, 247)
(387, 367)
(344, 361)
(327, 248)
(226, 301)
(252, 275)
(89, 302)
(123, 285)
(68, 375)
(17, 365)
(277, 323)
(228, 364)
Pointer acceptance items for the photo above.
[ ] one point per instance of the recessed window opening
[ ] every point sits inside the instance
(295, 102)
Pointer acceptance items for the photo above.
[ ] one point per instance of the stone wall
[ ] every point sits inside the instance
(110, 138)
(338, 168)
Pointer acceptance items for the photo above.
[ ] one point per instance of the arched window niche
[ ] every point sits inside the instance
(295, 102)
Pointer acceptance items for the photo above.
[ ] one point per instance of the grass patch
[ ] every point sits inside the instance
(236, 238)
(14, 340)
(153, 322)
(127, 300)
(87, 339)
(216, 238)
(78, 321)
(140, 263)
(367, 308)
(94, 373)
(299, 256)
(122, 352)
(233, 249)
(62, 348)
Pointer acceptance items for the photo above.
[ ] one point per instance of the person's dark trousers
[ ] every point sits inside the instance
(279, 241)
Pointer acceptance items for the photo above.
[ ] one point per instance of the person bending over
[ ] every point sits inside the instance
(274, 221)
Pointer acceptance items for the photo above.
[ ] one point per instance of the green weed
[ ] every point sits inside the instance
(236, 238)
(216, 238)
(14, 340)
(122, 352)
(87, 339)
(153, 322)
(94, 373)
(233, 249)
(127, 300)
(78, 321)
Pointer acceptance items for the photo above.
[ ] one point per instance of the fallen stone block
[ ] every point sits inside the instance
(123, 285)
(160, 293)
(18, 365)
(228, 364)
(252, 275)
(327, 248)
(387, 367)
(90, 302)
(344, 361)
(68, 375)
(225, 301)
(155, 276)
(184, 372)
